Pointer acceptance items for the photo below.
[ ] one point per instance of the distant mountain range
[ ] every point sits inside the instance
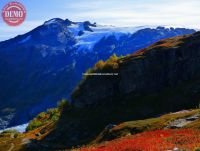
(41, 67)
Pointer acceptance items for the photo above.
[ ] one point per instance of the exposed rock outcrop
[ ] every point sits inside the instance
(165, 64)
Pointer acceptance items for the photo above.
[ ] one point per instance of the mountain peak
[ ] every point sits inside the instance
(88, 23)
(68, 22)
(53, 21)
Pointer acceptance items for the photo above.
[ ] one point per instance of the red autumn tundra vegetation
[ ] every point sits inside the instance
(159, 140)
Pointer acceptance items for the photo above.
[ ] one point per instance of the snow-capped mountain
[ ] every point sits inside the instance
(44, 65)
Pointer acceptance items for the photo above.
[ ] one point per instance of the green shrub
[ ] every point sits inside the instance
(113, 58)
(51, 115)
(100, 65)
(34, 124)
(41, 115)
(10, 131)
(16, 135)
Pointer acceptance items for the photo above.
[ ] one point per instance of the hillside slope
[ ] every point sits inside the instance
(132, 135)
(159, 79)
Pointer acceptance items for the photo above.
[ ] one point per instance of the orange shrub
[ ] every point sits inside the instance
(111, 63)
(100, 65)
(183, 139)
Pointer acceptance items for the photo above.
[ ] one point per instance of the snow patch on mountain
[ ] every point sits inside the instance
(75, 28)
(19, 128)
(88, 34)
(87, 40)
(54, 20)
(25, 39)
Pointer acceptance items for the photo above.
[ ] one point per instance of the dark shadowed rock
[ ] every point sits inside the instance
(167, 63)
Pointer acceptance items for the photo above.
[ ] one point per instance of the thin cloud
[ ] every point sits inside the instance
(174, 12)
(9, 31)
(181, 13)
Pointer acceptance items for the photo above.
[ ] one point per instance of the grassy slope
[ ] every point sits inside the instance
(122, 130)
(142, 134)
(9, 139)
(134, 127)
(37, 129)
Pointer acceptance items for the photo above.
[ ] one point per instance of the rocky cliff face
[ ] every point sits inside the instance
(165, 64)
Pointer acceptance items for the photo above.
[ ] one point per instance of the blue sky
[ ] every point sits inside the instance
(183, 13)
